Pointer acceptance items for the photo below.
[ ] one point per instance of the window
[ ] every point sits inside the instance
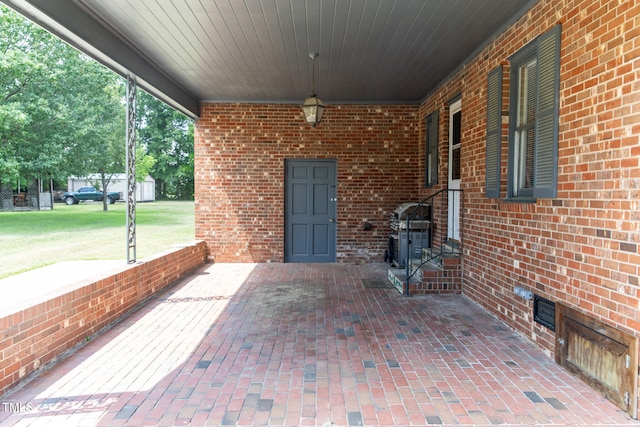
(524, 134)
(431, 157)
(533, 122)
(456, 144)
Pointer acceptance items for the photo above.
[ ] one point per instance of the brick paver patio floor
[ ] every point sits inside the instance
(303, 344)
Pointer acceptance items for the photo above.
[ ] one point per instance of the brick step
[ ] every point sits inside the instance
(443, 275)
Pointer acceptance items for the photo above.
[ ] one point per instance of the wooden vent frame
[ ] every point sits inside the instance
(604, 357)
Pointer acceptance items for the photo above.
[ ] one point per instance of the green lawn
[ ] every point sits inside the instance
(30, 240)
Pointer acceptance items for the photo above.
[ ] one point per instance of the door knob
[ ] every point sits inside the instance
(332, 220)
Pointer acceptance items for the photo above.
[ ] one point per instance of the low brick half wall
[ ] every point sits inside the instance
(36, 335)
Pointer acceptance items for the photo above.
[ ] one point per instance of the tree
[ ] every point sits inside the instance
(167, 136)
(99, 147)
(30, 109)
(144, 163)
(61, 113)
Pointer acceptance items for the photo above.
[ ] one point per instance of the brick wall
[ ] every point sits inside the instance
(37, 335)
(580, 249)
(240, 153)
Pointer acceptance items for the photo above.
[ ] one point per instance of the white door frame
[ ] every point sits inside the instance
(453, 228)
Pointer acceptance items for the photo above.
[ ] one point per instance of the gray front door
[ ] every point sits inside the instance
(310, 211)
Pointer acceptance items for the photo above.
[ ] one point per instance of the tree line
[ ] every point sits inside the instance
(62, 114)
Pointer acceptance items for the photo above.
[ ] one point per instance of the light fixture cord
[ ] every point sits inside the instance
(313, 76)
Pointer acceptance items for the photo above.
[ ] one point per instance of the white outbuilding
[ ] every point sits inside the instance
(145, 190)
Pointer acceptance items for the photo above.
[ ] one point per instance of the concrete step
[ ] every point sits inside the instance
(397, 277)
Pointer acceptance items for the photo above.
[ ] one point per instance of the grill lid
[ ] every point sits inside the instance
(409, 208)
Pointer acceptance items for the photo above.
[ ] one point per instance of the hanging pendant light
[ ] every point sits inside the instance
(313, 106)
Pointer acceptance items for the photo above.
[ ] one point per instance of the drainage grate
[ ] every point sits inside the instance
(544, 312)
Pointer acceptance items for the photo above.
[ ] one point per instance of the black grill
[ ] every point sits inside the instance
(410, 225)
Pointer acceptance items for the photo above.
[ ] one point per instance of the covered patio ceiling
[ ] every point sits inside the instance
(188, 51)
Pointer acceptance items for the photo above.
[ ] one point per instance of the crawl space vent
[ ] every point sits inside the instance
(544, 312)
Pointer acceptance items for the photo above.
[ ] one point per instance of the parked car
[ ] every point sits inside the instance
(89, 193)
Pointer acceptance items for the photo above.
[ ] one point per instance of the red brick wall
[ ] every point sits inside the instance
(37, 335)
(580, 249)
(240, 152)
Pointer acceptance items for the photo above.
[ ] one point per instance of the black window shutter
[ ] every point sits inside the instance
(432, 124)
(546, 151)
(494, 131)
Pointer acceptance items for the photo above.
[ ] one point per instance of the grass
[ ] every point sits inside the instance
(34, 239)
